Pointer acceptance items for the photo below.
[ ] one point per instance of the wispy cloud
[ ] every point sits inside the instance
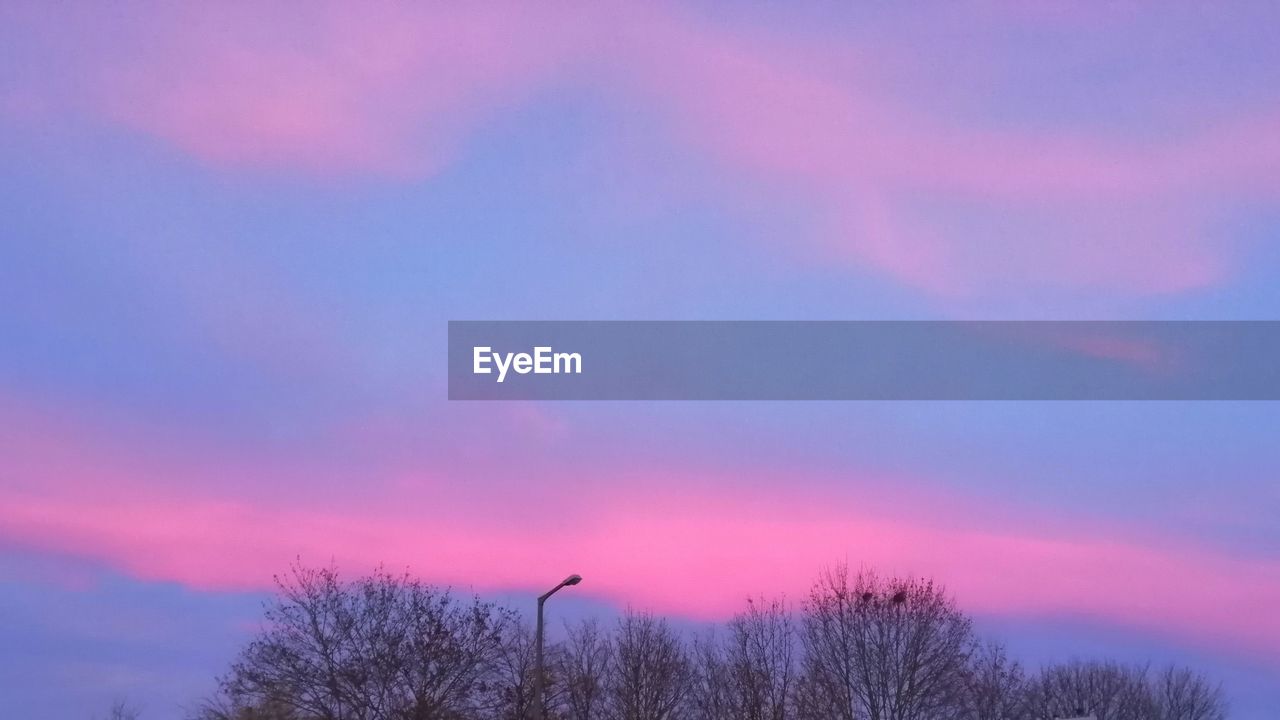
(339, 90)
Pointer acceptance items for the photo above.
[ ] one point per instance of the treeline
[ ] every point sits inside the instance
(859, 647)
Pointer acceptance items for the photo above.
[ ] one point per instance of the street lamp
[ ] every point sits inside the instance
(539, 712)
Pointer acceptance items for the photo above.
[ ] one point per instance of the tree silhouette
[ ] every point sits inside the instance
(861, 647)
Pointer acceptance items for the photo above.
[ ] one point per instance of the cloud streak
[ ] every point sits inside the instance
(676, 540)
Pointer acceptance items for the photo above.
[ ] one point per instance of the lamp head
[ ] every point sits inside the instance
(573, 579)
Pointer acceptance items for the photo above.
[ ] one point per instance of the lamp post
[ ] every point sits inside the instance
(539, 712)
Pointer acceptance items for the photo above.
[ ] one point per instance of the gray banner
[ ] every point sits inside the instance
(864, 360)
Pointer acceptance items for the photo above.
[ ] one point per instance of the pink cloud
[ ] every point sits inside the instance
(396, 91)
(329, 88)
(1053, 209)
(666, 537)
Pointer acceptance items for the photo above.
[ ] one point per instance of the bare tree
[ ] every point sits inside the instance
(1182, 694)
(584, 666)
(759, 659)
(513, 695)
(221, 707)
(122, 710)
(995, 685)
(709, 692)
(863, 647)
(382, 647)
(1107, 690)
(748, 671)
(882, 649)
(650, 671)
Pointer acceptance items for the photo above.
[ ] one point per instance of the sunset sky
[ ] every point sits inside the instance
(231, 236)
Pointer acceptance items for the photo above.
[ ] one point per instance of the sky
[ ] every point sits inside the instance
(231, 236)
